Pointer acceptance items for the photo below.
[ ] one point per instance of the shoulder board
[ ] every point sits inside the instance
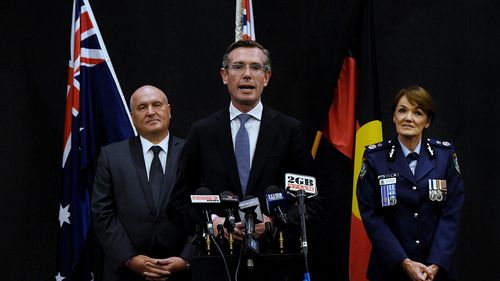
(378, 146)
(438, 143)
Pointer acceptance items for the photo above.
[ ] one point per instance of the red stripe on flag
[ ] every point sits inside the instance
(341, 126)
(85, 23)
(69, 105)
(359, 250)
(92, 61)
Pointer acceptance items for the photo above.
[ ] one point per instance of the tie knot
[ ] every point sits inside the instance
(243, 118)
(156, 149)
(411, 156)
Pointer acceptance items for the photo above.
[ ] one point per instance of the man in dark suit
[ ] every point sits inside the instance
(275, 143)
(131, 191)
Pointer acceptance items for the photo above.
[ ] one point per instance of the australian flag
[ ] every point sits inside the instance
(96, 114)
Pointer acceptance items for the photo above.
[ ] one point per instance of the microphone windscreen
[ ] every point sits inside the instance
(247, 197)
(226, 193)
(273, 189)
(203, 191)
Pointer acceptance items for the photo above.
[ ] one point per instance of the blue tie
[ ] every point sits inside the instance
(156, 175)
(242, 152)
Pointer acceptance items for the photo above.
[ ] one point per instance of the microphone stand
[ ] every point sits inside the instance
(210, 232)
(230, 230)
(302, 211)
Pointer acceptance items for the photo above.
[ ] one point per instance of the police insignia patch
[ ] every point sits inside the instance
(362, 172)
(455, 162)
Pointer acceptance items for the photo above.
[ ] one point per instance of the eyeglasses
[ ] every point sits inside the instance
(239, 68)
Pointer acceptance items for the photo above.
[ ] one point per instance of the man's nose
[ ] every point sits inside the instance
(151, 110)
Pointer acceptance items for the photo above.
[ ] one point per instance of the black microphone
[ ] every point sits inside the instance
(206, 202)
(250, 214)
(302, 187)
(229, 202)
(276, 203)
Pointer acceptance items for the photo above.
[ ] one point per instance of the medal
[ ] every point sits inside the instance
(387, 191)
(437, 190)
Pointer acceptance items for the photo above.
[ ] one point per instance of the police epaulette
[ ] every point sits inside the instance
(434, 142)
(429, 143)
(378, 146)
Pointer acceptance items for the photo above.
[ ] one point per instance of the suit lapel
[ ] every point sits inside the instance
(224, 141)
(401, 166)
(424, 165)
(140, 168)
(174, 150)
(267, 135)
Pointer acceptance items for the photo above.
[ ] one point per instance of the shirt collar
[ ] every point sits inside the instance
(406, 151)
(146, 144)
(256, 112)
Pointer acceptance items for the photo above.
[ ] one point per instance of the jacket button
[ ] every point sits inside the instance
(414, 188)
(417, 242)
(415, 215)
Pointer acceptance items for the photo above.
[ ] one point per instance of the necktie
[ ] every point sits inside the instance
(156, 175)
(242, 152)
(411, 156)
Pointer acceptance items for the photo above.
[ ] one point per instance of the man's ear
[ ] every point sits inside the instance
(224, 75)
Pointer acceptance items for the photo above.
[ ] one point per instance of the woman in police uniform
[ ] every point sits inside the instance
(410, 194)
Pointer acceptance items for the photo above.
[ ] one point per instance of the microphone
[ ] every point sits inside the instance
(302, 187)
(229, 202)
(205, 202)
(276, 203)
(250, 214)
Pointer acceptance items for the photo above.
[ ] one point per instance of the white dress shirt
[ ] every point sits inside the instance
(148, 153)
(252, 125)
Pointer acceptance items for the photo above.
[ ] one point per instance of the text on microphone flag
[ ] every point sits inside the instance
(205, 199)
(275, 196)
(296, 182)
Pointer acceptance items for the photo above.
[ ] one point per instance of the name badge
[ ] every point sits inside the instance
(437, 190)
(388, 189)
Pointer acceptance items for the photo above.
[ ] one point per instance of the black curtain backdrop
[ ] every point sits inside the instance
(450, 47)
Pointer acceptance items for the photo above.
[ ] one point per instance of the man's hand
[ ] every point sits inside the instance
(239, 230)
(148, 267)
(161, 269)
(260, 228)
(156, 269)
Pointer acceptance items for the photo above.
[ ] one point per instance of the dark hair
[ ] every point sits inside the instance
(247, 44)
(418, 96)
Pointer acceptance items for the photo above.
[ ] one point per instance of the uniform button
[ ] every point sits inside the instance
(417, 242)
(414, 188)
(415, 215)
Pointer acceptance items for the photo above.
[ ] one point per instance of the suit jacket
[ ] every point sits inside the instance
(415, 226)
(125, 218)
(208, 158)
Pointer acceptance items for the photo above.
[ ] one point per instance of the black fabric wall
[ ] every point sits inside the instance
(449, 47)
